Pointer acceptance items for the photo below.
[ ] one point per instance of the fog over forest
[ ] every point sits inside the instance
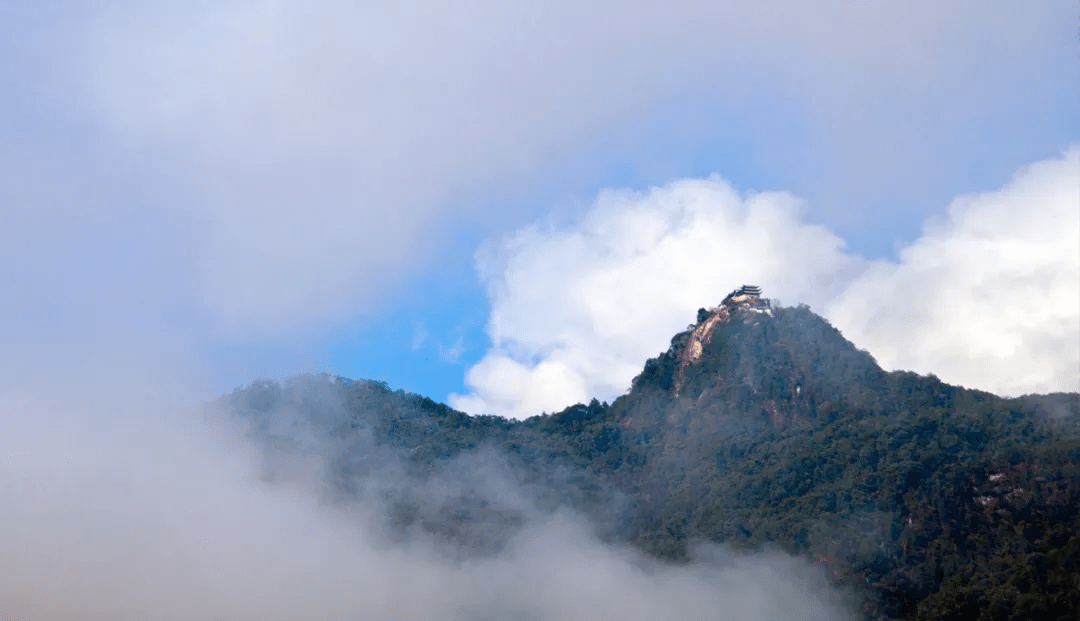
(121, 503)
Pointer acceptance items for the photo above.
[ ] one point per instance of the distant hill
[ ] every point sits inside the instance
(759, 426)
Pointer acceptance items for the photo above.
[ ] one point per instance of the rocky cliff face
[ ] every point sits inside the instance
(768, 367)
(701, 335)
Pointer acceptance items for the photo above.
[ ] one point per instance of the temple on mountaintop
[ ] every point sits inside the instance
(753, 290)
(748, 293)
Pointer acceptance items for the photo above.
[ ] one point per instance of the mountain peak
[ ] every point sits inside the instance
(748, 355)
(747, 298)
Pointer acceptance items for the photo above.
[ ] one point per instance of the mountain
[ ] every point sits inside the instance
(758, 427)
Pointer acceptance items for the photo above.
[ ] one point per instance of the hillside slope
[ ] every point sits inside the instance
(760, 426)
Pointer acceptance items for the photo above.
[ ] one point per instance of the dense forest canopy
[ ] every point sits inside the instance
(928, 501)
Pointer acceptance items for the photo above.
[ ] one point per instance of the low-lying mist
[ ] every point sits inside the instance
(121, 500)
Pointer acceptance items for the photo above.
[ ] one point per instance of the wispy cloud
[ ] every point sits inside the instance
(420, 336)
(453, 353)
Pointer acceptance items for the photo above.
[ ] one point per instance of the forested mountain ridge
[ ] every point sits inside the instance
(759, 426)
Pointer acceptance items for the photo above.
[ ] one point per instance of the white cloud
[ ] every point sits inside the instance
(575, 313)
(320, 146)
(987, 298)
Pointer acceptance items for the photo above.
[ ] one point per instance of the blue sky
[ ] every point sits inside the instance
(236, 190)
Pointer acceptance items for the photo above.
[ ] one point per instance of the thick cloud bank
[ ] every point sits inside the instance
(117, 504)
(987, 297)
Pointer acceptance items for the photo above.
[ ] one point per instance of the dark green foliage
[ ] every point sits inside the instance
(932, 501)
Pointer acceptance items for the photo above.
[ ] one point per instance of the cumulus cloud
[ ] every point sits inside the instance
(317, 148)
(987, 297)
(119, 502)
(576, 311)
